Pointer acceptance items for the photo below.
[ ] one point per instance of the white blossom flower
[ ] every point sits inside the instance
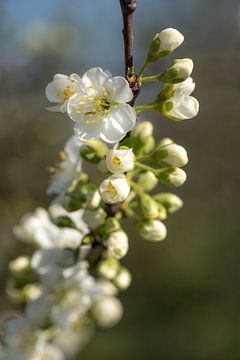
(107, 311)
(39, 229)
(61, 89)
(67, 173)
(114, 189)
(100, 108)
(120, 160)
(182, 106)
(117, 244)
(170, 39)
(94, 218)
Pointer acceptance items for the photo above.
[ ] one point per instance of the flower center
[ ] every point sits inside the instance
(110, 186)
(66, 94)
(116, 160)
(95, 107)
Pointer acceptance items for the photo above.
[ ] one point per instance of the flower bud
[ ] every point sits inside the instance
(93, 151)
(108, 268)
(107, 311)
(123, 279)
(93, 199)
(119, 160)
(117, 244)
(112, 225)
(153, 230)
(32, 292)
(94, 218)
(149, 207)
(172, 154)
(164, 43)
(148, 181)
(170, 201)
(142, 130)
(184, 109)
(114, 189)
(173, 176)
(102, 167)
(19, 265)
(179, 71)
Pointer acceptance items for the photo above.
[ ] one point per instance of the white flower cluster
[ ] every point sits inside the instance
(72, 279)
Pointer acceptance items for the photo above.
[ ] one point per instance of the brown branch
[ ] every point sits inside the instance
(128, 7)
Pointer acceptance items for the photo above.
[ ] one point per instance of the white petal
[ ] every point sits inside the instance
(125, 116)
(95, 76)
(58, 84)
(88, 131)
(111, 131)
(119, 89)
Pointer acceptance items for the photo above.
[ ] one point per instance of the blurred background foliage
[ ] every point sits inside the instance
(184, 300)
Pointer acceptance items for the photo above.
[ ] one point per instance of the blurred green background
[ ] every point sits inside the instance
(184, 300)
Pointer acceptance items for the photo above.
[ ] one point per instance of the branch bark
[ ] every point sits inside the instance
(128, 7)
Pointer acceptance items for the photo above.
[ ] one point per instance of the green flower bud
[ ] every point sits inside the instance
(170, 201)
(112, 225)
(64, 221)
(74, 202)
(20, 265)
(142, 130)
(162, 212)
(152, 230)
(148, 181)
(102, 167)
(148, 206)
(165, 141)
(93, 151)
(173, 176)
(108, 268)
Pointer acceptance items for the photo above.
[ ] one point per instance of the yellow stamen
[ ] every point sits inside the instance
(110, 186)
(116, 160)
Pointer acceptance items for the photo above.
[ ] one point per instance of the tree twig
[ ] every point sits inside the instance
(128, 7)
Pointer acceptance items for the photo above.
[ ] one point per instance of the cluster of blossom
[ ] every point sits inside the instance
(71, 281)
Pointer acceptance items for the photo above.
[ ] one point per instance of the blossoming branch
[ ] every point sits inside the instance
(70, 283)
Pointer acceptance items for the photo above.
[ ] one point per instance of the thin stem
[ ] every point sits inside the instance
(144, 107)
(144, 167)
(143, 69)
(150, 78)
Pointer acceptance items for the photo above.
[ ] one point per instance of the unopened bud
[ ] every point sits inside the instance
(108, 268)
(149, 207)
(173, 176)
(93, 151)
(153, 230)
(170, 201)
(178, 72)
(172, 154)
(107, 311)
(164, 43)
(117, 244)
(143, 130)
(123, 279)
(19, 265)
(148, 181)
